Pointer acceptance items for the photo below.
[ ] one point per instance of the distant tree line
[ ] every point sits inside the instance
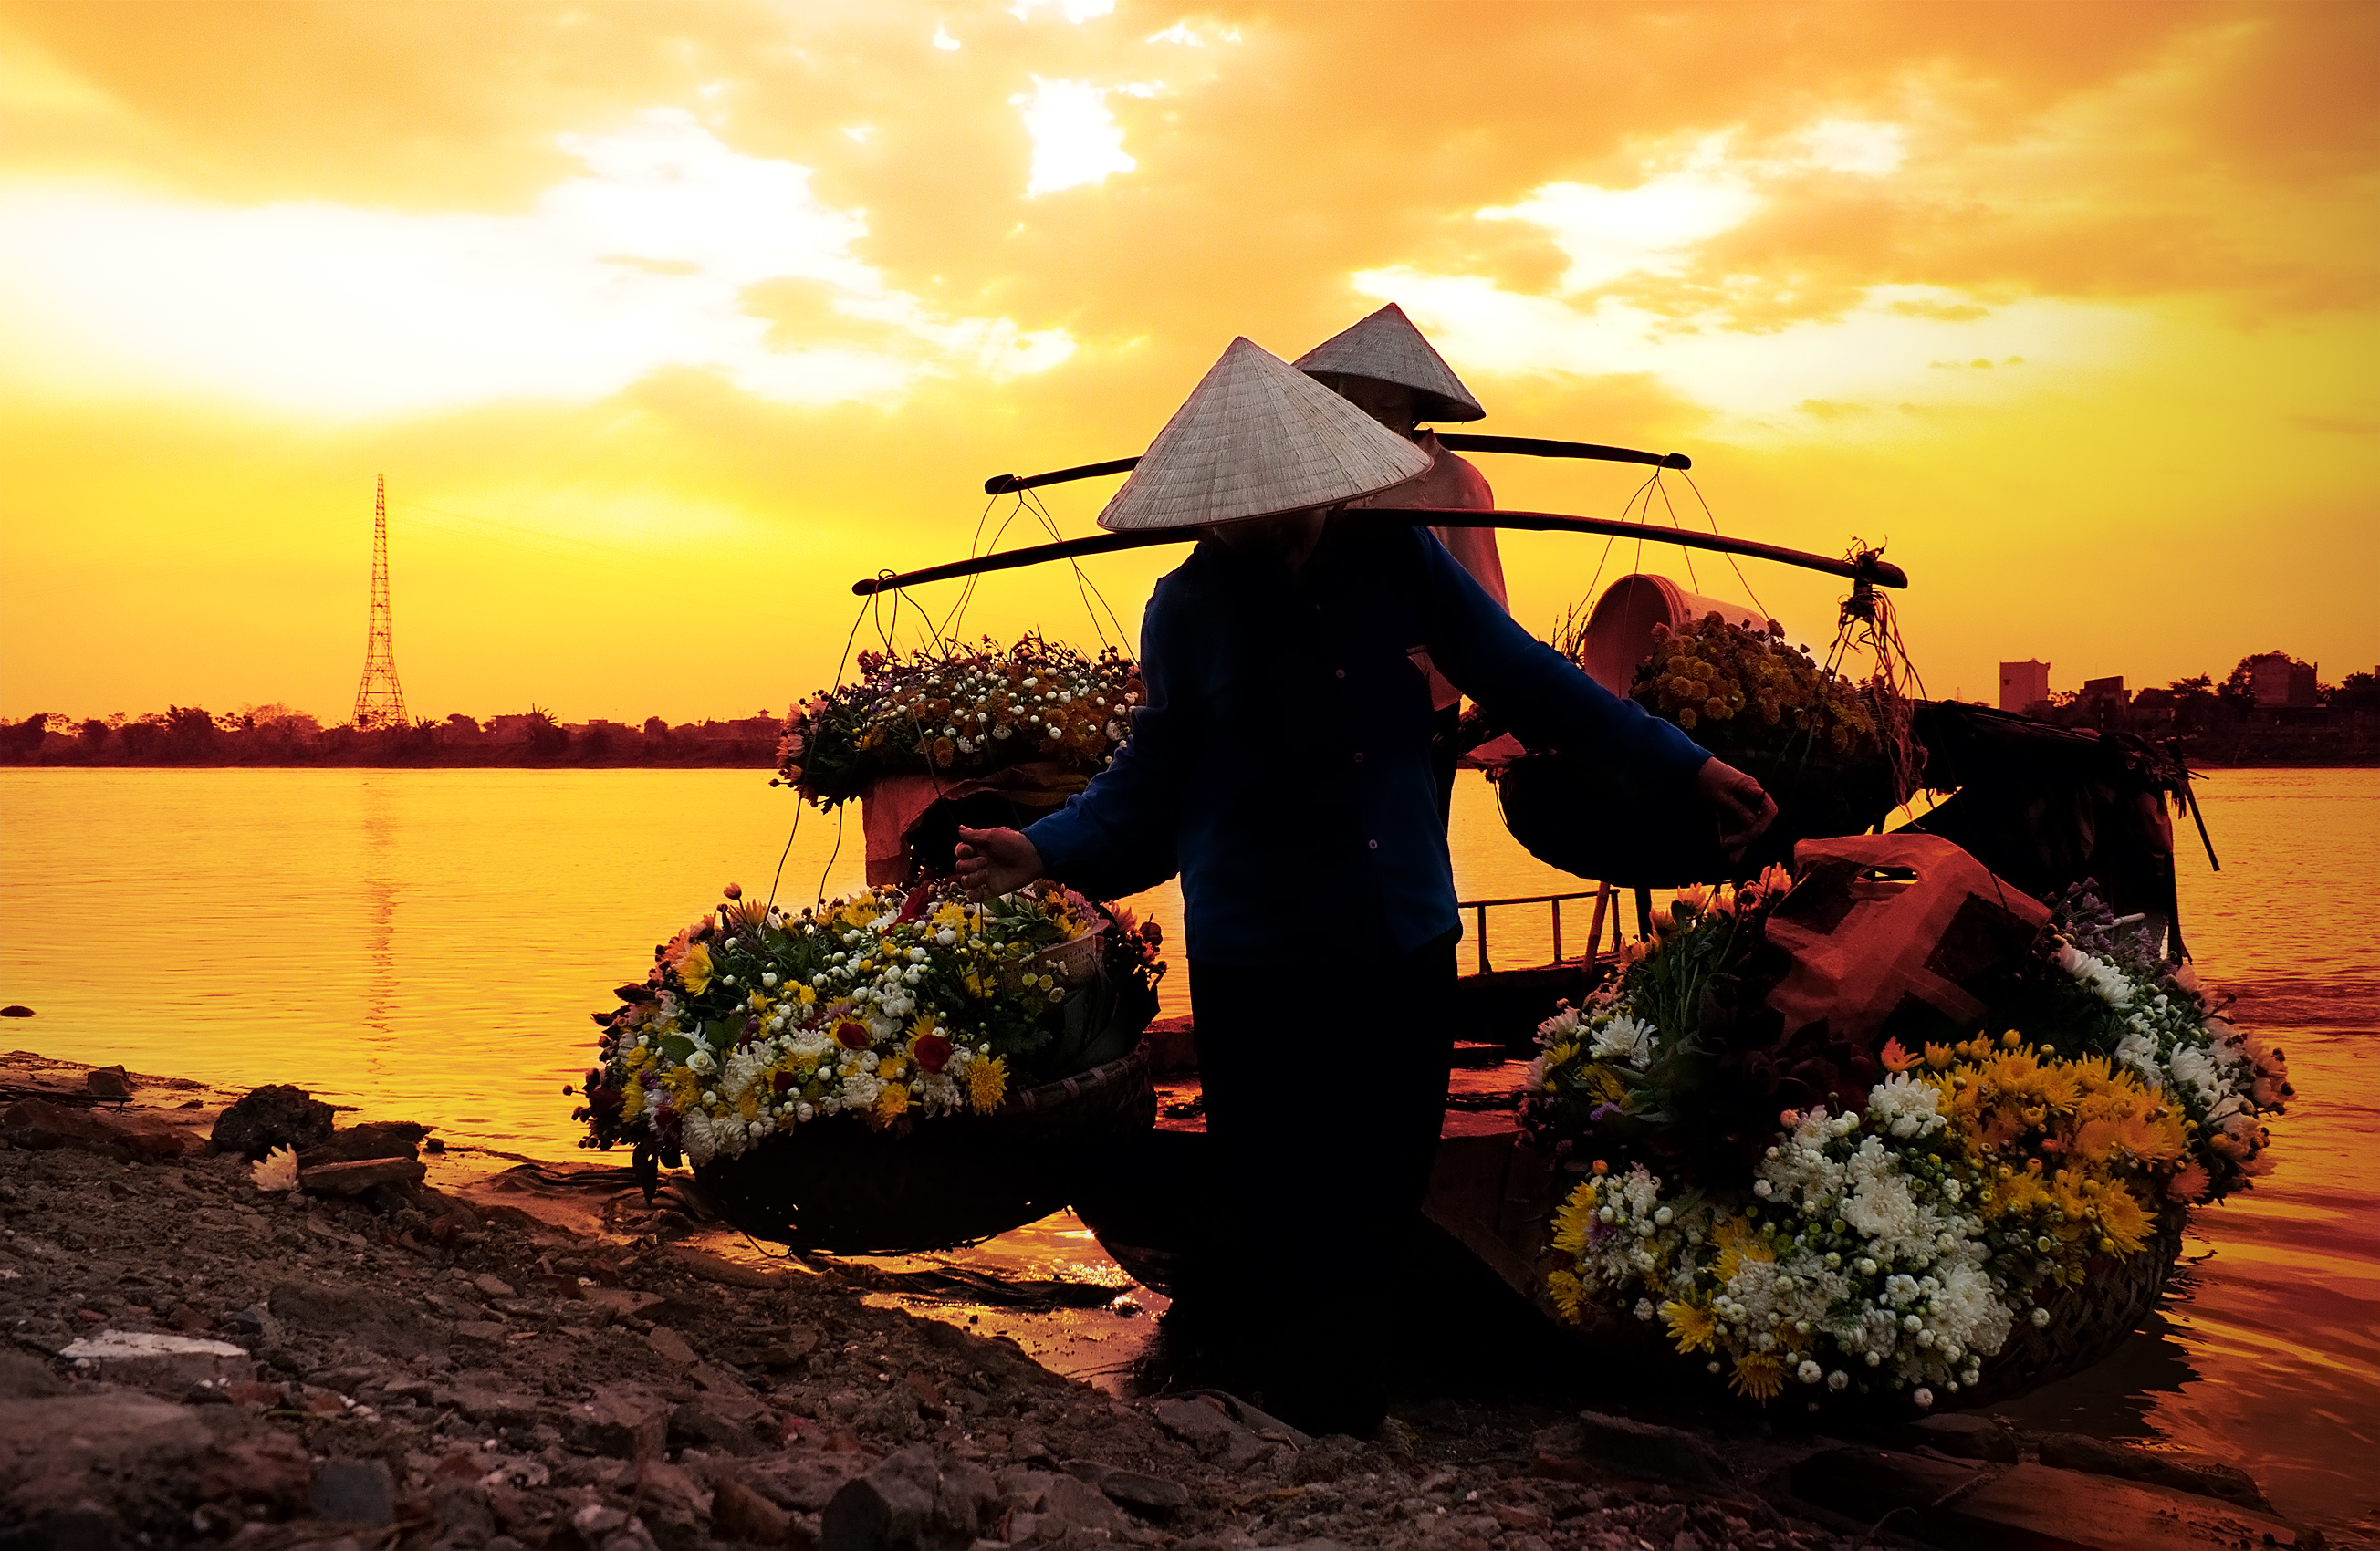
(276, 734)
(2199, 704)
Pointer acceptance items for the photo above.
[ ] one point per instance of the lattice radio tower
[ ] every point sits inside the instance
(380, 700)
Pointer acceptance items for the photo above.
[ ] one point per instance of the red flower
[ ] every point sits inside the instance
(932, 1050)
(852, 1035)
(915, 905)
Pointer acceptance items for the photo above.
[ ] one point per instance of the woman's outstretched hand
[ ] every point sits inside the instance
(996, 861)
(1744, 810)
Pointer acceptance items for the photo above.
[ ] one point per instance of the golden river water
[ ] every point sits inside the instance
(428, 943)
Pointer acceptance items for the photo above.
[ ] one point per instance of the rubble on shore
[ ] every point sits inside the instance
(376, 1361)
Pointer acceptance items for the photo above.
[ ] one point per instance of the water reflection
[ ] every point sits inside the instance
(380, 907)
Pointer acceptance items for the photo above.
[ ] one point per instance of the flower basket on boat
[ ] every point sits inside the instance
(887, 1072)
(1813, 739)
(1888, 1135)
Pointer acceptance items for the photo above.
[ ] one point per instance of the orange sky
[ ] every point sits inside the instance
(665, 321)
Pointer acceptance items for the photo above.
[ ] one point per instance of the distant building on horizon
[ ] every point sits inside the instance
(2280, 681)
(2025, 684)
(2103, 700)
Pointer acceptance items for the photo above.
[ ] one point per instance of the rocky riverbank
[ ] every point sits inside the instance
(393, 1357)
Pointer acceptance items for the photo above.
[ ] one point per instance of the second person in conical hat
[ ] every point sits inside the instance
(1280, 766)
(1384, 366)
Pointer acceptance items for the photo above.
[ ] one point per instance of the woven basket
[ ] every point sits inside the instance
(2086, 1322)
(1576, 814)
(843, 1187)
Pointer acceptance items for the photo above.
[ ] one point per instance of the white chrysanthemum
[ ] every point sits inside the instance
(699, 1135)
(1905, 1106)
(1625, 1039)
(1879, 1205)
(1969, 1311)
(2107, 982)
(744, 1069)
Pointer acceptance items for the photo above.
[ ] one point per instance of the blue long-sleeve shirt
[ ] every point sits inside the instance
(1282, 759)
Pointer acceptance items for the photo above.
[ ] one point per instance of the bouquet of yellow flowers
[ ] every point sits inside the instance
(881, 1007)
(1737, 687)
(960, 711)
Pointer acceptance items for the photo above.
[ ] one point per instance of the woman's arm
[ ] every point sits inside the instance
(1116, 836)
(1549, 702)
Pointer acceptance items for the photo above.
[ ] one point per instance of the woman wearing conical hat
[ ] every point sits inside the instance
(1384, 366)
(1281, 765)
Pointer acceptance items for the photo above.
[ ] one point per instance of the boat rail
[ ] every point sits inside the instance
(1604, 898)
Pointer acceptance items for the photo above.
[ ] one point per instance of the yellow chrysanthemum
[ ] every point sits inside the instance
(920, 1027)
(987, 1082)
(1691, 1324)
(1736, 1243)
(631, 1098)
(1602, 1080)
(1570, 1223)
(805, 995)
(1567, 1293)
(891, 1103)
(694, 969)
(1758, 1374)
(2122, 1219)
(750, 1105)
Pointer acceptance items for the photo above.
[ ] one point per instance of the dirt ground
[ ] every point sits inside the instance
(439, 1365)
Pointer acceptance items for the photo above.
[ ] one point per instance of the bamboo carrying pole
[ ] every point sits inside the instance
(1870, 567)
(1452, 441)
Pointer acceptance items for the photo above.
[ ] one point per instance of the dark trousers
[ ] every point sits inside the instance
(1325, 1089)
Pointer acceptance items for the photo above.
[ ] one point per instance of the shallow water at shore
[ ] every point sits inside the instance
(428, 943)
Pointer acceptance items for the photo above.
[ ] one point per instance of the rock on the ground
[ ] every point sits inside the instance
(354, 1492)
(111, 1084)
(360, 1144)
(1629, 1448)
(915, 1500)
(354, 1179)
(277, 1115)
(624, 1421)
(156, 1361)
(1968, 1436)
(739, 1513)
(97, 1469)
(1152, 1496)
(36, 1124)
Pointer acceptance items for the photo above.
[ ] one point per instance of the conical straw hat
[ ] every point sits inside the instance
(1386, 346)
(1256, 438)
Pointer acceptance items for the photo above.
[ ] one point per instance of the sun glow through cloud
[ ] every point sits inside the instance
(645, 262)
(1076, 140)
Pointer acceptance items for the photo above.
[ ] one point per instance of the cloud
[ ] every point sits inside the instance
(1075, 11)
(1875, 350)
(1848, 145)
(943, 41)
(1178, 34)
(1610, 233)
(639, 265)
(1076, 140)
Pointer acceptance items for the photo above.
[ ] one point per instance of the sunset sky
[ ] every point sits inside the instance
(666, 321)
